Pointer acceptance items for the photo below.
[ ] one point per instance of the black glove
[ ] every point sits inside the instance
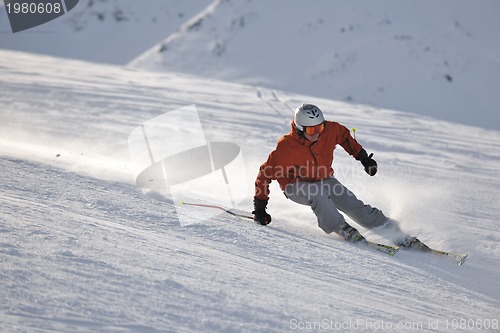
(368, 162)
(259, 214)
(370, 165)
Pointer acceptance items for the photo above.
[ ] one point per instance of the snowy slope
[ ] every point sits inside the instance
(84, 250)
(439, 59)
(109, 31)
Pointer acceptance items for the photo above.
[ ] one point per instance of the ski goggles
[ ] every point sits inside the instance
(312, 130)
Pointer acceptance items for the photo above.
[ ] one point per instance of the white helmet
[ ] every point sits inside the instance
(308, 115)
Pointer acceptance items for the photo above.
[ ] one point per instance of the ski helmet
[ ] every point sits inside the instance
(308, 115)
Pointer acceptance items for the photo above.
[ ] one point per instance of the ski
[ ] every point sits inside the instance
(387, 249)
(458, 258)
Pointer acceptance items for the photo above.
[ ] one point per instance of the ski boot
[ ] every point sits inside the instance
(351, 234)
(412, 242)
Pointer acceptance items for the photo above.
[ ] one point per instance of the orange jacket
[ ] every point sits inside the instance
(296, 158)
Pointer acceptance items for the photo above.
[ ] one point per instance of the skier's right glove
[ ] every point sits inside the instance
(259, 214)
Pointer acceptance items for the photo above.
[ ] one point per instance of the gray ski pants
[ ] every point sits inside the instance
(327, 197)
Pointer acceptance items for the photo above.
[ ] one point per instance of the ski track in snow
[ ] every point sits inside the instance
(84, 250)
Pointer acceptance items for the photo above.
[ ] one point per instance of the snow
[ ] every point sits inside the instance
(109, 31)
(437, 59)
(83, 249)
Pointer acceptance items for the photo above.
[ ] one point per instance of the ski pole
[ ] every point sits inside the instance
(216, 207)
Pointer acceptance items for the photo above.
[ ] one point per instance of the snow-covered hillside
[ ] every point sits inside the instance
(438, 59)
(83, 249)
(110, 31)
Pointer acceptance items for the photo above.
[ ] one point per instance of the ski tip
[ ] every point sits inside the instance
(461, 259)
(182, 203)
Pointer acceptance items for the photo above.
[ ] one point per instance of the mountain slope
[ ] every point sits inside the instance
(84, 249)
(434, 59)
(108, 31)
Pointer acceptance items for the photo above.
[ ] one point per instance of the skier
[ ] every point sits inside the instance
(302, 165)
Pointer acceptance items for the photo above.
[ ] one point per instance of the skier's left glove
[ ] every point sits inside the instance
(259, 214)
(368, 162)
